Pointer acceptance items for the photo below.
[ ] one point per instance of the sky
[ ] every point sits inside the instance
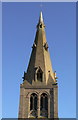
(0, 59)
(19, 22)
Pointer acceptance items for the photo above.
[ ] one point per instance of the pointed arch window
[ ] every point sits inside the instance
(44, 102)
(39, 75)
(33, 102)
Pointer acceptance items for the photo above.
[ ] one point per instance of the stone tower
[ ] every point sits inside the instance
(39, 90)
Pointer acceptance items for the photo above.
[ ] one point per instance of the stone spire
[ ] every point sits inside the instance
(40, 59)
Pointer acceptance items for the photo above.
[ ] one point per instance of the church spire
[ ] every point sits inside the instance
(40, 69)
(39, 85)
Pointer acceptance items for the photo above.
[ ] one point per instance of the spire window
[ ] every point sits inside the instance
(40, 25)
(39, 75)
(46, 46)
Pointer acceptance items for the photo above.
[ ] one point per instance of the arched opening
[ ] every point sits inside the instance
(44, 105)
(39, 75)
(33, 105)
(44, 102)
(40, 25)
(33, 102)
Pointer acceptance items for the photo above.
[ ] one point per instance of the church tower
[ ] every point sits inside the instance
(39, 90)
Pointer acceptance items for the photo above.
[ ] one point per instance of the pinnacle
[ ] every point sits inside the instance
(41, 17)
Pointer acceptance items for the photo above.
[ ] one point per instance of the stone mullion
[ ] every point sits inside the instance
(38, 105)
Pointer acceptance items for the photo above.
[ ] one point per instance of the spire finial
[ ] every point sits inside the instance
(41, 17)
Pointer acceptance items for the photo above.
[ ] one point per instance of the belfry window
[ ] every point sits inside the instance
(44, 102)
(33, 102)
(39, 75)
